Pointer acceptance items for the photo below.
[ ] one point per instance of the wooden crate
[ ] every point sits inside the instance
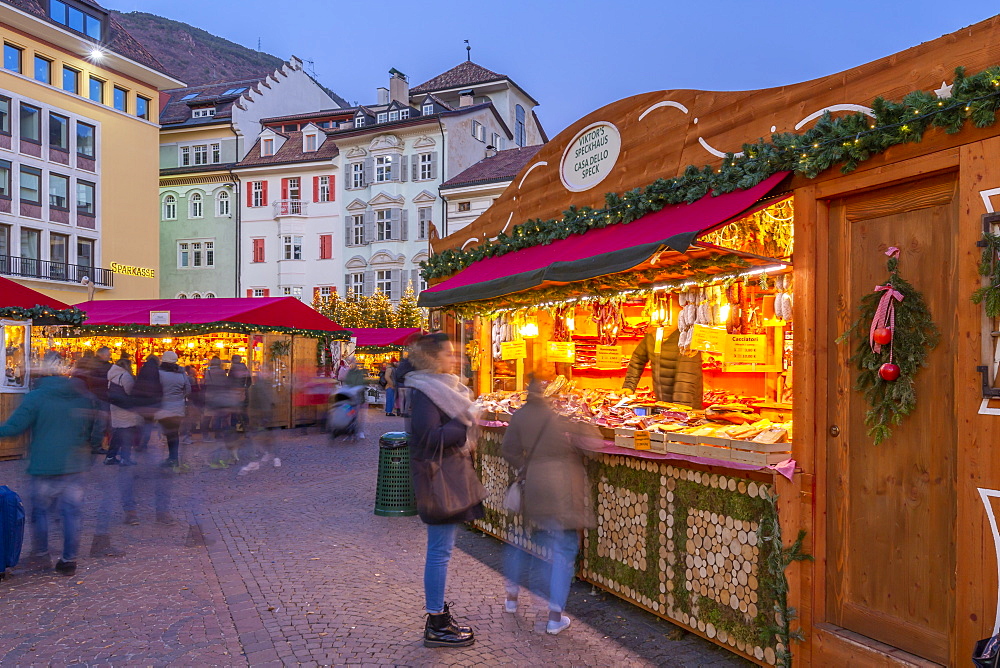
(760, 458)
(658, 442)
(625, 438)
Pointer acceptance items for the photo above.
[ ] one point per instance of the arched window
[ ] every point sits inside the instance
(197, 205)
(181, 295)
(222, 207)
(170, 208)
(209, 295)
(519, 134)
(195, 295)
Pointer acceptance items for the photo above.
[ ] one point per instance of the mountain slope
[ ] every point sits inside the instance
(193, 55)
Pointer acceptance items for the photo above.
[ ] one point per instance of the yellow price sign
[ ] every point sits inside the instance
(708, 339)
(641, 438)
(560, 351)
(745, 349)
(609, 357)
(513, 350)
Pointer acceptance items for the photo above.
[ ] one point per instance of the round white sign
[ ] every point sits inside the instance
(590, 156)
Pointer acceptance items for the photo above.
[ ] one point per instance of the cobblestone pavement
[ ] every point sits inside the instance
(297, 570)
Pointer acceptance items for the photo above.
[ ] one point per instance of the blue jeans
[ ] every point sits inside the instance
(440, 541)
(123, 439)
(45, 490)
(390, 399)
(564, 546)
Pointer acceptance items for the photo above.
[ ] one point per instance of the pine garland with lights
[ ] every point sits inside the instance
(70, 316)
(914, 334)
(848, 140)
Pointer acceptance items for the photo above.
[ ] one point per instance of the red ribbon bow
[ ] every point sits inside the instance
(885, 314)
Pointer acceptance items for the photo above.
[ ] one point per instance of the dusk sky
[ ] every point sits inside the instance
(574, 57)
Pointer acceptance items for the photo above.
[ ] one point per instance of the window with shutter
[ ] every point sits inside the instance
(369, 171)
(264, 192)
(249, 292)
(369, 284)
(434, 165)
(403, 224)
(415, 167)
(369, 226)
(284, 188)
(258, 250)
(325, 246)
(401, 173)
(423, 222)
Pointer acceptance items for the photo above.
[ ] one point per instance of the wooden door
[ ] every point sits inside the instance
(891, 508)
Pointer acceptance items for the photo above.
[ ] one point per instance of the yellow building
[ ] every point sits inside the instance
(79, 138)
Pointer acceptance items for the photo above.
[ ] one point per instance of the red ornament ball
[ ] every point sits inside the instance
(889, 371)
(882, 335)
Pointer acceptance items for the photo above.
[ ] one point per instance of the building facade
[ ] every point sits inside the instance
(389, 161)
(207, 130)
(79, 99)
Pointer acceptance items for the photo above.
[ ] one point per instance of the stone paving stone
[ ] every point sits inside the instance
(297, 570)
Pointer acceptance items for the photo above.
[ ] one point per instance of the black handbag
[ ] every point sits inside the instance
(446, 485)
(117, 396)
(987, 652)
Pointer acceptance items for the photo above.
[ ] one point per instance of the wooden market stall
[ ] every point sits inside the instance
(20, 309)
(279, 336)
(373, 348)
(888, 176)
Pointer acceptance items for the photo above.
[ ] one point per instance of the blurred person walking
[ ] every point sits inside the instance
(260, 410)
(146, 396)
(126, 424)
(216, 396)
(443, 431)
(195, 406)
(403, 369)
(541, 446)
(60, 415)
(390, 387)
(176, 388)
(240, 381)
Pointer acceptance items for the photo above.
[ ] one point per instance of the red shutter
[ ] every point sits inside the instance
(249, 194)
(263, 184)
(333, 190)
(315, 188)
(249, 292)
(284, 188)
(258, 250)
(267, 292)
(325, 246)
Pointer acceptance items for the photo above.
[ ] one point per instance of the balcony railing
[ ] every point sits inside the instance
(26, 267)
(289, 207)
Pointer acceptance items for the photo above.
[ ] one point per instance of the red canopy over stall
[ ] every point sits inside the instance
(382, 336)
(258, 314)
(15, 294)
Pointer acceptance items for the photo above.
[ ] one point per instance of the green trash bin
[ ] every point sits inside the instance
(394, 493)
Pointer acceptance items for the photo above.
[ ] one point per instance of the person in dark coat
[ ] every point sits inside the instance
(556, 498)
(442, 417)
(676, 376)
(60, 415)
(403, 369)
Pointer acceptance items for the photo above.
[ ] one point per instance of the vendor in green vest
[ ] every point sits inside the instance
(676, 374)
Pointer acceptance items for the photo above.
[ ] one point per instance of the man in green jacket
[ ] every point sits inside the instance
(60, 414)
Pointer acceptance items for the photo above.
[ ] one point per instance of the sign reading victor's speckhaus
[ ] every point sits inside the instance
(591, 155)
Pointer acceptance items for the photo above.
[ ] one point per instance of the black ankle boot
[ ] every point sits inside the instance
(440, 631)
(461, 629)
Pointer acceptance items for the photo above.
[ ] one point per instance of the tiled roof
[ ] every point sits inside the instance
(346, 111)
(119, 41)
(177, 110)
(290, 152)
(502, 166)
(464, 74)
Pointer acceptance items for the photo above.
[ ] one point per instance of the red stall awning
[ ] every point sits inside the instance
(370, 337)
(596, 252)
(16, 295)
(264, 314)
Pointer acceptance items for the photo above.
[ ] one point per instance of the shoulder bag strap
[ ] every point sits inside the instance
(527, 460)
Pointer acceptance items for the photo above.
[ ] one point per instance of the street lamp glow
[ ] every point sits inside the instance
(96, 54)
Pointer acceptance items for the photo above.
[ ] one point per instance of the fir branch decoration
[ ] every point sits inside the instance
(989, 267)
(70, 316)
(914, 335)
(846, 140)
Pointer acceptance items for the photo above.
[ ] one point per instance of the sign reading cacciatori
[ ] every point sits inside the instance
(590, 156)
